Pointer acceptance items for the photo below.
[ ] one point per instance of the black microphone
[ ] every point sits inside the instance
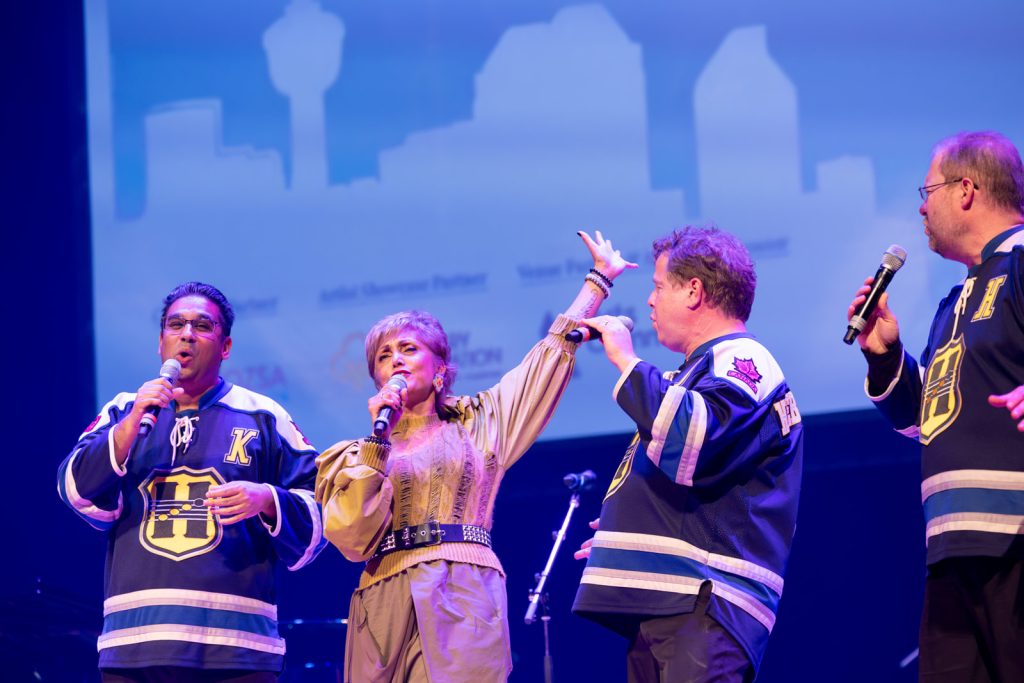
(380, 425)
(586, 333)
(170, 371)
(582, 481)
(892, 260)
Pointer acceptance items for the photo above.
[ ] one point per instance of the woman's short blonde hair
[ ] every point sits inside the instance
(427, 329)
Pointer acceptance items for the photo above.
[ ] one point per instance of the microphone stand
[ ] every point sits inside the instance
(537, 595)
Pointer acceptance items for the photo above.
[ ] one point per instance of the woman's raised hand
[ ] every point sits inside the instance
(607, 259)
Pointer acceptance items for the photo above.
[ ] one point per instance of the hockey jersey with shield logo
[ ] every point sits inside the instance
(707, 491)
(181, 589)
(972, 456)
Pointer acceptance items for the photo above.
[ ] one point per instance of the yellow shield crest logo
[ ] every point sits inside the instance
(625, 467)
(177, 524)
(940, 395)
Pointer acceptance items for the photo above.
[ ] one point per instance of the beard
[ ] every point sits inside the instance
(946, 239)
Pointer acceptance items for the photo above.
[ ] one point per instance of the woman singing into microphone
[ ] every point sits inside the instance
(416, 502)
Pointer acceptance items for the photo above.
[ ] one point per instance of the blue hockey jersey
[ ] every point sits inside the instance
(707, 491)
(181, 589)
(972, 456)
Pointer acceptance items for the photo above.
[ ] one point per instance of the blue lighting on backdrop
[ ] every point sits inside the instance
(327, 163)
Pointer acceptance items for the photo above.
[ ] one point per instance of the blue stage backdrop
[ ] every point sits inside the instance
(326, 163)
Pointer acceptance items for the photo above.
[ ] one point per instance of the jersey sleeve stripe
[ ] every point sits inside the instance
(316, 539)
(96, 516)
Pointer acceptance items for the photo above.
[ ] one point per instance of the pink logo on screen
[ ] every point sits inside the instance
(746, 372)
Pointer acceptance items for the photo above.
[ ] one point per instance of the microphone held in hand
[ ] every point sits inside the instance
(170, 370)
(380, 425)
(586, 333)
(892, 260)
(581, 481)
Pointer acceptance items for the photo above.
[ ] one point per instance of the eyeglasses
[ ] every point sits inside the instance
(928, 189)
(204, 327)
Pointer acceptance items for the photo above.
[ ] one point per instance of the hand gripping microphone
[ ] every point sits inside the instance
(170, 371)
(892, 260)
(586, 333)
(582, 481)
(380, 425)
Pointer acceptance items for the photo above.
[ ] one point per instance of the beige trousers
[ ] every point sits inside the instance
(436, 622)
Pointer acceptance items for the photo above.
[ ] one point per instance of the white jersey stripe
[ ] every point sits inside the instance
(972, 479)
(188, 598)
(621, 540)
(309, 499)
(663, 422)
(967, 521)
(695, 434)
(191, 634)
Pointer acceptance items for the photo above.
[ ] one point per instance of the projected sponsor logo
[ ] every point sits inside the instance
(479, 363)
(377, 290)
(543, 272)
(348, 363)
(265, 378)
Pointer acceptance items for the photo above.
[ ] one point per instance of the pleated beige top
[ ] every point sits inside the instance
(446, 470)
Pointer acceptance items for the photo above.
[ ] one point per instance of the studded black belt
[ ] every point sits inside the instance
(431, 533)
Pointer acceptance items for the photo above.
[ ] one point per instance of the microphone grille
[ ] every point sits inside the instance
(627, 321)
(398, 381)
(171, 369)
(894, 257)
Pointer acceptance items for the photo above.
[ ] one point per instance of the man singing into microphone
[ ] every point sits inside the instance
(696, 527)
(972, 465)
(199, 511)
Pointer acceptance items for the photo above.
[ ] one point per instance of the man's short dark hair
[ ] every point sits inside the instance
(716, 258)
(227, 314)
(990, 160)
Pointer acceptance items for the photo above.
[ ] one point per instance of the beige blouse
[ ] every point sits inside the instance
(446, 470)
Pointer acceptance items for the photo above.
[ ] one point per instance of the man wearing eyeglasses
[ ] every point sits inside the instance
(964, 401)
(199, 511)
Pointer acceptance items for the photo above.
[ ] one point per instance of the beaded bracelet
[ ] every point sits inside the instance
(597, 282)
(604, 278)
(383, 443)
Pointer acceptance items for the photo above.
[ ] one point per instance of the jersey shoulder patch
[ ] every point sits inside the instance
(747, 364)
(116, 405)
(245, 400)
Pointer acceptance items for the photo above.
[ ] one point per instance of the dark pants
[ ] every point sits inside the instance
(972, 625)
(687, 648)
(179, 674)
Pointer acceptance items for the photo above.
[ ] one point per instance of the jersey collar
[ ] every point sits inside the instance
(993, 244)
(703, 348)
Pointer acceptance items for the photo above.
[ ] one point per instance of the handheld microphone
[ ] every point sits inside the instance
(582, 481)
(170, 370)
(892, 260)
(586, 333)
(380, 425)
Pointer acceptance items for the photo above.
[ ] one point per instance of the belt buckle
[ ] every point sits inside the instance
(428, 533)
